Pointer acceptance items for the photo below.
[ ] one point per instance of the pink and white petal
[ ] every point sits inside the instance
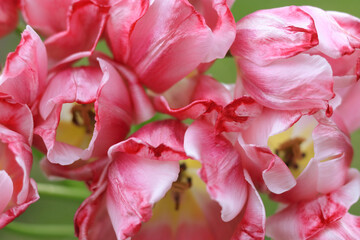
(18, 118)
(70, 85)
(127, 13)
(84, 27)
(305, 188)
(304, 220)
(135, 185)
(252, 225)
(92, 220)
(334, 152)
(25, 73)
(7, 189)
(349, 23)
(346, 228)
(113, 109)
(302, 82)
(193, 111)
(9, 16)
(269, 123)
(143, 109)
(238, 115)
(47, 17)
(221, 167)
(220, 21)
(170, 34)
(333, 40)
(161, 140)
(208, 88)
(267, 169)
(86, 171)
(346, 112)
(268, 35)
(15, 211)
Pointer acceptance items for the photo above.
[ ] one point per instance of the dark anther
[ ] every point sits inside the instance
(180, 185)
(84, 115)
(289, 152)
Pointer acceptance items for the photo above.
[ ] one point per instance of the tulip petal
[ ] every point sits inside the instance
(47, 17)
(298, 83)
(84, 27)
(6, 186)
(305, 219)
(267, 35)
(169, 34)
(127, 13)
(159, 140)
(25, 73)
(218, 159)
(9, 16)
(135, 185)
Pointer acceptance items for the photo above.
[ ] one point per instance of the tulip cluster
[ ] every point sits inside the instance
(282, 129)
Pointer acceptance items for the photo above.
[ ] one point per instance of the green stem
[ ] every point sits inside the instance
(46, 189)
(42, 230)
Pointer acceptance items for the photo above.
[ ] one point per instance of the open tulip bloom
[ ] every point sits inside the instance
(166, 150)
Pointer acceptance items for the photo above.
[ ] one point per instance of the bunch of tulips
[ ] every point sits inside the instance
(281, 129)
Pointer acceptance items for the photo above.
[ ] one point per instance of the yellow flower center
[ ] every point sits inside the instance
(76, 126)
(180, 204)
(295, 149)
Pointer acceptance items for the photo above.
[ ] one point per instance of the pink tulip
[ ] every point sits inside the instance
(296, 58)
(25, 73)
(323, 217)
(72, 30)
(144, 187)
(240, 120)
(18, 191)
(84, 111)
(168, 35)
(8, 16)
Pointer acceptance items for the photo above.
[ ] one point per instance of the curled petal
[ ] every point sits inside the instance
(25, 73)
(135, 185)
(159, 140)
(306, 219)
(127, 13)
(267, 35)
(84, 27)
(252, 225)
(218, 159)
(298, 83)
(220, 20)
(92, 220)
(333, 40)
(86, 85)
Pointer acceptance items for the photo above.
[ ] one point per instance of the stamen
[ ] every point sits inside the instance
(290, 152)
(84, 115)
(179, 186)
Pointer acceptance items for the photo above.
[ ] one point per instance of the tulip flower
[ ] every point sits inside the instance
(84, 111)
(324, 217)
(146, 184)
(18, 190)
(296, 58)
(25, 73)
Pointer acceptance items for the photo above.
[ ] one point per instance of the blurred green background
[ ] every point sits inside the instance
(54, 215)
